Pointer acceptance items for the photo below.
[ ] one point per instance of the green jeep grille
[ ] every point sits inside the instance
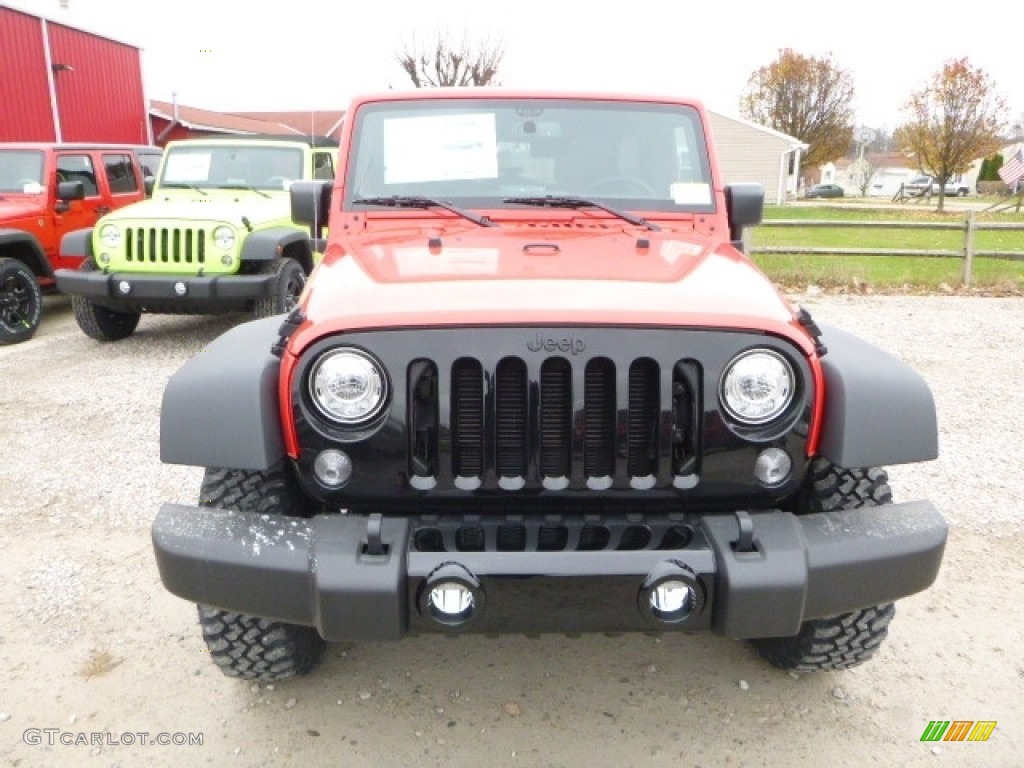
(165, 245)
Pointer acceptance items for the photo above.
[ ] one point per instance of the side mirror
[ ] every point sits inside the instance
(311, 205)
(70, 190)
(148, 183)
(744, 204)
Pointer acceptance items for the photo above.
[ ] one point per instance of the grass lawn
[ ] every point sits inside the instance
(885, 272)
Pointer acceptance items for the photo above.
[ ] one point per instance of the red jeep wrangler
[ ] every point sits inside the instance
(46, 191)
(536, 386)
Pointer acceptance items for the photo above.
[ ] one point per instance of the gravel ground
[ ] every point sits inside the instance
(95, 645)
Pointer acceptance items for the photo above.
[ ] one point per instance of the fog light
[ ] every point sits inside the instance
(670, 594)
(104, 258)
(451, 600)
(671, 599)
(180, 289)
(773, 466)
(332, 468)
(124, 287)
(226, 259)
(451, 596)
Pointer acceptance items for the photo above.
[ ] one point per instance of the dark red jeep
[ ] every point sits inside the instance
(536, 386)
(46, 191)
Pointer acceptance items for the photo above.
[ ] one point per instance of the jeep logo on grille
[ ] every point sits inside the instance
(569, 344)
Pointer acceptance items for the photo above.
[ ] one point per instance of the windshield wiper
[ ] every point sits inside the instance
(244, 186)
(416, 201)
(183, 185)
(554, 201)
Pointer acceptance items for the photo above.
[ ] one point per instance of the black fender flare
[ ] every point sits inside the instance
(77, 243)
(268, 244)
(24, 247)
(878, 410)
(221, 408)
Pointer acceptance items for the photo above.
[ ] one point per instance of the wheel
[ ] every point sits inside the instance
(251, 647)
(99, 322)
(625, 184)
(961, 193)
(289, 280)
(21, 302)
(849, 639)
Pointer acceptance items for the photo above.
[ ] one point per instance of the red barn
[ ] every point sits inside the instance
(68, 84)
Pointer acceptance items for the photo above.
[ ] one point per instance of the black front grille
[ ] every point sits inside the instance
(554, 423)
(558, 533)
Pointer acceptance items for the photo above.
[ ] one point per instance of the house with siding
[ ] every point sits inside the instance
(753, 153)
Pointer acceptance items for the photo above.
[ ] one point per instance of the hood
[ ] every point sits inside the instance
(597, 274)
(12, 209)
(216, 207)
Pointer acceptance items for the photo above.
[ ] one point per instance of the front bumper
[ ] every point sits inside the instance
(323, 572)
(131, 289)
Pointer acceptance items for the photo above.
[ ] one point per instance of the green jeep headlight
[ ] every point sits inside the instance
(224, 238)
(110, 236)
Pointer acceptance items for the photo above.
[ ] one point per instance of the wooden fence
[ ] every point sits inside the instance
(968, 252)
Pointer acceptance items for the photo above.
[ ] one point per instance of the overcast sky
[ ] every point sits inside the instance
(230, 55)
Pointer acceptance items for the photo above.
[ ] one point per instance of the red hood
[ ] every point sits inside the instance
(12, 208)
(589, 273)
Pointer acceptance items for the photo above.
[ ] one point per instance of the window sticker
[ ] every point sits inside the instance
(690, 193)
(187, 166)
(440, 148)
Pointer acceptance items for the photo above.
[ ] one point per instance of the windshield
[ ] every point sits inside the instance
(486, 153)
(231, 167)
(21, 171)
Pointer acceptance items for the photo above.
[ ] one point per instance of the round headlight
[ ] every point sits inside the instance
(224, 238)
(757, 386)
(348, 386)
(110, 236)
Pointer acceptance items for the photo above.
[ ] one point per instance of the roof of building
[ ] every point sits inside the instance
(792, 140)
(218, 122)
(316, 122)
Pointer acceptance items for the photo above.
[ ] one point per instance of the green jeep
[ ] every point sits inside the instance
(216, 236)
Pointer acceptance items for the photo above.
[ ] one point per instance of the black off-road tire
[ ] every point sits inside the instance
(849, 639)
(289, 280)
(251, 647)
(21, 302)
(102, 323)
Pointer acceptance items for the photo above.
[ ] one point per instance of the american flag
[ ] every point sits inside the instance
(1013, 170)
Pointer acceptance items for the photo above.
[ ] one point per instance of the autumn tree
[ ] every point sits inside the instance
(443, 63)
(806, 97)
(956, 118)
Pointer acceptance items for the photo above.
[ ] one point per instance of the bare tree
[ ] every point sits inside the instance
(443, 63)
(955, 119)
(806, 97)
(863, 173)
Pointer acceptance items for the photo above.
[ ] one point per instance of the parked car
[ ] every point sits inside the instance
(46, 191)
(929, 185)
(825, 190)
(535, 386)
(215, 237)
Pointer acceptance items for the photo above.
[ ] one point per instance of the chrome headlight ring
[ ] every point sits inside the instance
(348, 386)
(757, 386)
